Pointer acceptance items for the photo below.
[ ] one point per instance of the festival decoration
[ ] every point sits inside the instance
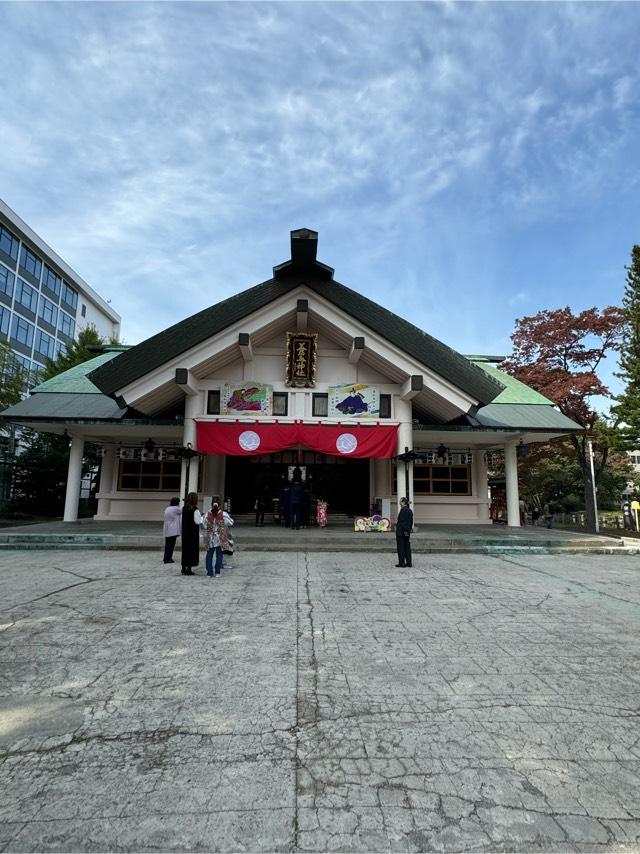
(247, 438)
(377, 523)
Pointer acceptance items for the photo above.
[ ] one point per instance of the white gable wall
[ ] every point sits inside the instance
(333, 368)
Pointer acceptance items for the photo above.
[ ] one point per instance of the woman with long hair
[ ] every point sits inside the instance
(191, 521)
(217, 539)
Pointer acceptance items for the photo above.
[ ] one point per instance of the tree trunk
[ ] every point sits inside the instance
(582, 454)
(590, 509)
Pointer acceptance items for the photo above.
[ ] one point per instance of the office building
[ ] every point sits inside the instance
(44, 303)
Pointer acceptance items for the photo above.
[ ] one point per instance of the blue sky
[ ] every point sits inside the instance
(465, 164)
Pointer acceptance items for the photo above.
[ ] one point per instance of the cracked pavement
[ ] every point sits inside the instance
(319, 702)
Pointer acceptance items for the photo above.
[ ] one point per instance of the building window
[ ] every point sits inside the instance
(385, 406)
(52, 281)
(9, 243)
(83, 311)
(213, 403)
(6, 281)
(66, 325)
(149, 476)
(280, 403)
(26, 375)
(30, 262)
(27, 296)
(438, 480)
(69, 296)
(59, 348)
(5, 315)
(48, 311)
(24, 362)
(37, 372)
(22, 331)
(44, 343)
(320, 405)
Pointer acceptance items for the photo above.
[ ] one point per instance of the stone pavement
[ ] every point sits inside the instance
(319, 702)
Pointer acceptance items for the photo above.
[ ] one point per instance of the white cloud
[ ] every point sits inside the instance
(170, 147)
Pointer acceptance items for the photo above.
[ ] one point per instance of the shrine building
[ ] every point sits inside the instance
(297, 371)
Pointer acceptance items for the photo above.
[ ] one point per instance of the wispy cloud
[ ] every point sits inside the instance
(168, 148)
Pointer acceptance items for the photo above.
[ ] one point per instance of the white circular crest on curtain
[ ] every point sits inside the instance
(249, 440)
(346, 443)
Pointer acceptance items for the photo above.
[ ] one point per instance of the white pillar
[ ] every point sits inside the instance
(192, 408)
(107, 468)
(404, 415)
(511, 484)
(74, 476)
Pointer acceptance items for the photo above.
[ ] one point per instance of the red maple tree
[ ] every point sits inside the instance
(558, 353)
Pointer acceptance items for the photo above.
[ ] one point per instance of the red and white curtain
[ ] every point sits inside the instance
(242, 438)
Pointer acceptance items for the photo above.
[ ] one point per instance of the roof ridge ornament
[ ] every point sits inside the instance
(304, 251)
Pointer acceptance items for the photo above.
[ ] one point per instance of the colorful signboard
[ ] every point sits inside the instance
(354, 401)
(249, 397)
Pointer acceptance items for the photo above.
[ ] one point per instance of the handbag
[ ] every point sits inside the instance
(229, 550)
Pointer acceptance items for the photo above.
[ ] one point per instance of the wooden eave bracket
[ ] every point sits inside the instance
(302, 315)
(357, 348)
(186, 381)
(412, 387)
(246, 348)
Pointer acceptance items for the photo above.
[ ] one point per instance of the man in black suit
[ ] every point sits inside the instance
(404, 526)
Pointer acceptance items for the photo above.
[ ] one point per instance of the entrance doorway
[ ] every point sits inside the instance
(343, 483)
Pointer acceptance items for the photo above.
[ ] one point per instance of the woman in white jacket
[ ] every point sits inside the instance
(172, 527)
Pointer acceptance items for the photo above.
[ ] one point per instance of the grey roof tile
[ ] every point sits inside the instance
(160, 348)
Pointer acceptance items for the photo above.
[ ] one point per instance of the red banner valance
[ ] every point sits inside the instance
(245, 439)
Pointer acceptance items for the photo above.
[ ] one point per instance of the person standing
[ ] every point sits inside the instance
(547, 516)
(259, 507)
(191, 522)
(217, 540)
(296, 504)
(321, 513)
(404, 526)
(172, 526)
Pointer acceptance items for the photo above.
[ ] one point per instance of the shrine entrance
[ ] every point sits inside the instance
(342, 482)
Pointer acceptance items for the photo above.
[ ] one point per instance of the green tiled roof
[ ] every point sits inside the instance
(514, 391)
(182, 336)
(75, 380)
(524, 416)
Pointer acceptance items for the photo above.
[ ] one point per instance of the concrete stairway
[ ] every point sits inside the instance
(441, 539)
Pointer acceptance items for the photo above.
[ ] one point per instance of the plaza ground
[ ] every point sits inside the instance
(320, 701)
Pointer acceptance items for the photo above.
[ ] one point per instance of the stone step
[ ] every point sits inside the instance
(353, 545)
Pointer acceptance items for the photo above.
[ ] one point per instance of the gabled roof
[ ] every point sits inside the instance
(514, 391)
(71, 396)
(518, 406)
(169, 344)
(75, 380)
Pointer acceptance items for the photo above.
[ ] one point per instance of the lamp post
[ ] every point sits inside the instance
(188, 454)
(407, 457)
(593, 486)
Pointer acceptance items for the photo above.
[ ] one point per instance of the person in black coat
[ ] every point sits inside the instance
(191, 521)
(296, 503)
(404, 526)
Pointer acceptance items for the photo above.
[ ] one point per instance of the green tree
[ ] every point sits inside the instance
(13, 379)
(40, 474)
(626, 410)
(77, 352)
(551, 473)
(40, 469)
